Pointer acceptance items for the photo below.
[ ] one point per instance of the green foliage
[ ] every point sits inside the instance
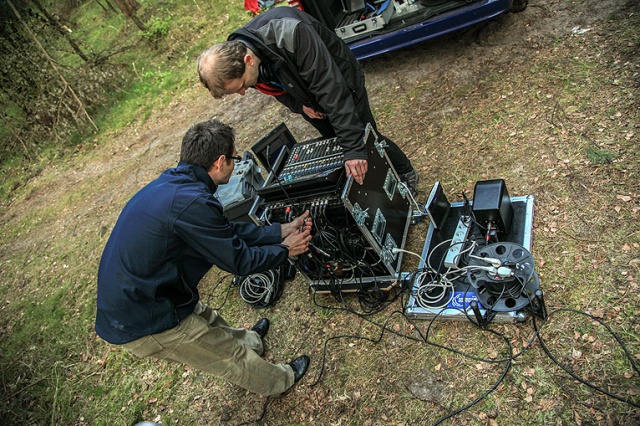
(143, 93)
(123, 83)
(157, 29)
(600, 156)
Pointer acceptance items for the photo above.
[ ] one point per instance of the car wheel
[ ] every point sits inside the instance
(518, 6)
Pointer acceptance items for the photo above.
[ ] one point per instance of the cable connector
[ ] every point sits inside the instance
(489, 269)
(496, 263)
(505, 272)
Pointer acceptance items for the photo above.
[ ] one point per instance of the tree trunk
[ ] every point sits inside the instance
(55, 24)
(129, 7)
(53, 65)
(109, 5)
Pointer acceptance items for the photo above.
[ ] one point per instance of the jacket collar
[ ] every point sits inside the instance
(198, 173)
(258, 47)
(283, 70)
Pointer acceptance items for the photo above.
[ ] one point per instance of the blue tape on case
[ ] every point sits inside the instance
(462, 299)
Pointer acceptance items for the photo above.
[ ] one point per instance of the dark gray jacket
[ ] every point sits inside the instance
(316, 68)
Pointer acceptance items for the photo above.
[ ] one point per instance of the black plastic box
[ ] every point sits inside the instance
(492, 205)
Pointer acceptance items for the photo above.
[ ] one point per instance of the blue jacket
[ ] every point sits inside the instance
(166, 239)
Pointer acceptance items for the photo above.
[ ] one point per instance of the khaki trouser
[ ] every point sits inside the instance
(205, 341)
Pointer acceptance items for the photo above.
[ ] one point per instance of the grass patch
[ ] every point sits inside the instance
(600, 155)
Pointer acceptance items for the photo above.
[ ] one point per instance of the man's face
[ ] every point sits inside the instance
(248, 79)
(227, 168)
(222, 169)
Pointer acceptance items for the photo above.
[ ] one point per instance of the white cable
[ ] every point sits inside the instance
(266, 216)
(438, 300)
(434, 250)
(479, 267)
(398, 250)
(406, 187)
(494, 262)
(452, 269)
(252, 292)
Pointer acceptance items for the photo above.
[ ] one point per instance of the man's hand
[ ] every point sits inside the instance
(297, 234)
(357, 168)
(312, 113)
(298, 242)
(299, 224)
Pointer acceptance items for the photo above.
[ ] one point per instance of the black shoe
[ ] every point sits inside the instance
(411, 180)
(299, 366)
(261, 327)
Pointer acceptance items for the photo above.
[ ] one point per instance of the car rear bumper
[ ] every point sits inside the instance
(435, 26)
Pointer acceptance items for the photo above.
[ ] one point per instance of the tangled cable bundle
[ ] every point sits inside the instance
(263, 289)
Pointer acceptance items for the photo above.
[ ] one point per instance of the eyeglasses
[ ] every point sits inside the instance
(235, 157)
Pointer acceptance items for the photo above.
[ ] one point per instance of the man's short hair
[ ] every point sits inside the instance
(220, 64)
(205, 142)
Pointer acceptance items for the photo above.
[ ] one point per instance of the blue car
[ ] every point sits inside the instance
(373, 27)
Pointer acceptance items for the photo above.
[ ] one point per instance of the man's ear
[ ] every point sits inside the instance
(248, 60)
(219, 162)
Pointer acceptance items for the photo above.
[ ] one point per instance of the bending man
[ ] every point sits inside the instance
(288, 54)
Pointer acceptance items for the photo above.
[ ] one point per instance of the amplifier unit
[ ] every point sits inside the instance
(356, 227)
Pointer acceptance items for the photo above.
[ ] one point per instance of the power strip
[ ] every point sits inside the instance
(457, 242)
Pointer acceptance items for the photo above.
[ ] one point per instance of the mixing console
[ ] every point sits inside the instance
(312, 167)
(311, 159)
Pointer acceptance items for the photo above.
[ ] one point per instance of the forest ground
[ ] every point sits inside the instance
(546, 99)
